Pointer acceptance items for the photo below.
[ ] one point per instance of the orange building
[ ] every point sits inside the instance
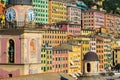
(100, 51)
(93, 19)
(110, 22)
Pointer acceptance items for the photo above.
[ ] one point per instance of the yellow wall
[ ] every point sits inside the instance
(87, 32)
(54, 37)
(57, 11)
(74, 60)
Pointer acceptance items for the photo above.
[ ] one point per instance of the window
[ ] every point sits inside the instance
(11, 51)
(88, 67)
(10, 75)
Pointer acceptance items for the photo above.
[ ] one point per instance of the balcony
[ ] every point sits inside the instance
(76, 60)
(74, 66)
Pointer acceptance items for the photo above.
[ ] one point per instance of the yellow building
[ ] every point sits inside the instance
(46, 58)
(57, 11)
(87, 31)
(116, 56)
(74, 60)
(54, 37)
(84, 41)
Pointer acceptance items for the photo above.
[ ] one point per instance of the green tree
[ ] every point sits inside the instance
(112, 6)
(89, 3)
(117, 67)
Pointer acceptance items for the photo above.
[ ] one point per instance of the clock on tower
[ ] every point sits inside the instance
(10, 14)
(21, 13)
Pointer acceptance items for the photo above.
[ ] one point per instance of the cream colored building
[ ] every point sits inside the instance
(91, 64)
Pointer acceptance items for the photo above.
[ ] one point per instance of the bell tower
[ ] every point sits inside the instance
(20, 14)
(21, 52)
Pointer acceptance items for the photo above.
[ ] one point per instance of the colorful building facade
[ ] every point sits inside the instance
(93, 19)
(74, 60)
(117, 23)
(46, 58)
(87, 32)
(100, 51)
(20, 54)
(74, 13)
(41, 10)
(116, 56)
(110, 23)
(54, 37)
(74, 29)
(93, 44)
(60, 58)
(107, 53)
(57, 11)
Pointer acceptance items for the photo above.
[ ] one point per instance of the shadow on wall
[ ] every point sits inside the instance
(62, 78)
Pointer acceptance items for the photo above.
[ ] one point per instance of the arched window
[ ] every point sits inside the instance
(11, 51)
(88, 67)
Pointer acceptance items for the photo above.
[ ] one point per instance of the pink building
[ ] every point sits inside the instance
(74, 13)
(19, 52)
(74, 19)
(60, 58)
(74, 29)
(93, 19)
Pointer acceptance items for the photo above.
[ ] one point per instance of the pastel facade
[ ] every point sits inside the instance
(100, 51)
(74, 29)
(107, 53)
(110, 23)
(57, 11)
(74, 13)
(93, 44)
(84, 41)
(107, 46)
(116, 56)
(46, 58)
(87, 32)
(54, 37)
(41, 10)
(74, 60)
(109, 20)
(60, 58)
(117, 23)
(20, 52)
(93, 19)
